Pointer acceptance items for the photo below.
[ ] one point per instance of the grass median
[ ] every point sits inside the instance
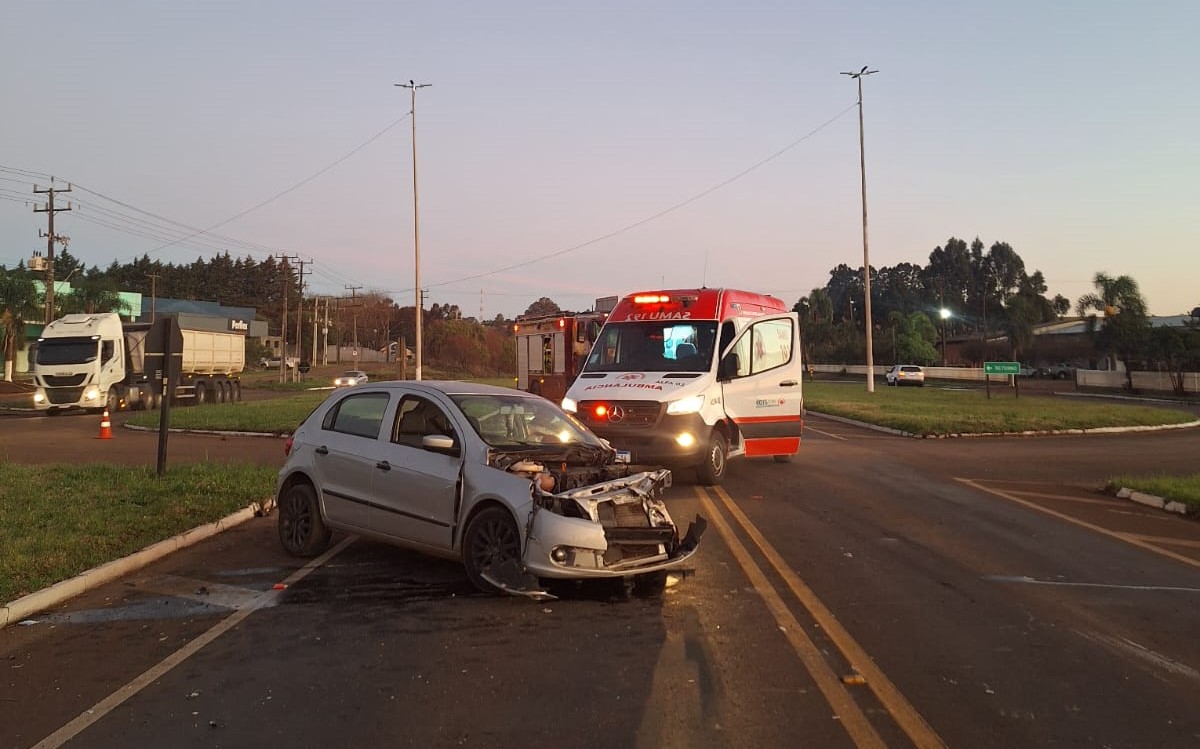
(935, 411)
(1185, 489)
(59, 520)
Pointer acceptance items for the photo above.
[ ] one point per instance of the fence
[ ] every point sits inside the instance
(1088, 378)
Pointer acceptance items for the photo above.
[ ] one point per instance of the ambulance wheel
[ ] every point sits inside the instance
(783, 458)
(712, 469)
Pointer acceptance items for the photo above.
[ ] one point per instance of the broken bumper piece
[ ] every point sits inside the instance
(618, 528)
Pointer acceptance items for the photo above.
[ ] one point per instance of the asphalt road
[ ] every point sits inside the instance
(877, 591)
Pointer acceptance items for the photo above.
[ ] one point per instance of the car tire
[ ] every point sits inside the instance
(490, 539)
(712, 470)
(302, 530)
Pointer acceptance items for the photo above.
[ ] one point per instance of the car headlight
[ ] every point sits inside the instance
(686, 405)
(569, 405)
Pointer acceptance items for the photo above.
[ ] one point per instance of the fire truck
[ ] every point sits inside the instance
(694, 377)
(551, 349)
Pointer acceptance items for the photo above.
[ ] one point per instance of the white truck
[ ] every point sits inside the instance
(97, 362)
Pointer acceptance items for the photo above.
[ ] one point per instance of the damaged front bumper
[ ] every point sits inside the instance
(617, 528)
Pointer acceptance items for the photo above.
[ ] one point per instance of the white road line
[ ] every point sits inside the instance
(114, 700)
(1143, 653)
(827, 434)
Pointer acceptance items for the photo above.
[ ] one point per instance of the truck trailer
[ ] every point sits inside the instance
(98, 362)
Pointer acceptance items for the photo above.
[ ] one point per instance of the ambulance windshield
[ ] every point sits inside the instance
(685, 346)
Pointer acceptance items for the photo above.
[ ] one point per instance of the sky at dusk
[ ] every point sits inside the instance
(578, 150)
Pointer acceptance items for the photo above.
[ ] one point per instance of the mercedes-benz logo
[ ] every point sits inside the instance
(616, 414)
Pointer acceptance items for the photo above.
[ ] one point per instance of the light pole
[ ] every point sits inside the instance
(945, 313)
(412, 87)
(862, 165)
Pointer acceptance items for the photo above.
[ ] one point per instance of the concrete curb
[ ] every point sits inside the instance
(1031, 433)
(218, 432)
(1151, 500)
(26, 606)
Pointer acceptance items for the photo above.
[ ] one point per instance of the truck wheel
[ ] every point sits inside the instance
(712, 470)
(111, 401)
(201, 394)
(237, 392)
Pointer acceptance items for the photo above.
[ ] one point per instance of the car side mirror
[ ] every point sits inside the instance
(729, 367)
(439, 443)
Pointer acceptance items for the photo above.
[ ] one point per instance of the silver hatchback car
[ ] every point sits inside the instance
(501, 480)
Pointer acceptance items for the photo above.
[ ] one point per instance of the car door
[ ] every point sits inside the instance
(417, 490)
(350, 443)
(762, 385)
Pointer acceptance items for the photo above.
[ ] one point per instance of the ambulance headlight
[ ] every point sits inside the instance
(569, 405)
(686, 405)
(91, 393)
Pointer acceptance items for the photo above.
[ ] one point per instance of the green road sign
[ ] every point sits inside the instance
(1001, 367)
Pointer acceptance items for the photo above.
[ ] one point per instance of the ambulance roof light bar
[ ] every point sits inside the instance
(651, 299)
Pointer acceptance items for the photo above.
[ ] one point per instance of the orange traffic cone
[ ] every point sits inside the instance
(105, 427)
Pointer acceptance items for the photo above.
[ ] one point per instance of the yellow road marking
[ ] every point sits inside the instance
(157, 671)
(1067, 498)
(906, 716)
(852, 717)
(1128, 538)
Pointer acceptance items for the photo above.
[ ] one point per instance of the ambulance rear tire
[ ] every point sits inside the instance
(783, 458)
(711, 470)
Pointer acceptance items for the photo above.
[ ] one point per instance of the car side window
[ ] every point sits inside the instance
(763, 346)
(417, 417)
(360, 414)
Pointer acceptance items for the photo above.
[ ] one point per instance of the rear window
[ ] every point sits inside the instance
(910, 369)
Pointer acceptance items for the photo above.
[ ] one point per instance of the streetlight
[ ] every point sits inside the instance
(862, 165)
(412, 86)
(945, 313)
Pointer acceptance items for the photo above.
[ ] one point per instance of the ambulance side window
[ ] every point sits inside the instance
(764, 346)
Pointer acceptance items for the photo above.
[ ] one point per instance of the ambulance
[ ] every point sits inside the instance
(693, 378)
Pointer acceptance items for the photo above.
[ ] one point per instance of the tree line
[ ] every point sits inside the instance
(983, 297)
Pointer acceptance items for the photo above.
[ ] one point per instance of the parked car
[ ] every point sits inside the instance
(1059, 371)
(351, 378)
(905, 374)
(501, 480)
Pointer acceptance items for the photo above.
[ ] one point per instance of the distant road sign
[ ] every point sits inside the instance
(1001, 367)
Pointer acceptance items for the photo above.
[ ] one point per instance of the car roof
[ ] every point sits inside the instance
(450, 387)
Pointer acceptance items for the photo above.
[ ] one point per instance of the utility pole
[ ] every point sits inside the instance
(862, 165)
(412, 86)
(316, 315)
(51, 238)
(299, 319)
(153, 295)
(325, 352)
(354, 317)
(284, 266)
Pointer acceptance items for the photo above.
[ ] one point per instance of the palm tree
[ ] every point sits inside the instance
(1126, 327)
(91, 296)
(19, 302)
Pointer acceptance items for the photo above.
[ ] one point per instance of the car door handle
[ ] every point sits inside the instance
(383, 465)
(322, 450)
(788, 384)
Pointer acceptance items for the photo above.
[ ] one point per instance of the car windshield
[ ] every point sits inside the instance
(351, 374)
(520, 420)
(67, 350)
(679, 346)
